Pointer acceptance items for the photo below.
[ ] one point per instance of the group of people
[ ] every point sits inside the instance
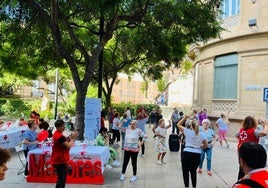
(200, 139)
(198, 143)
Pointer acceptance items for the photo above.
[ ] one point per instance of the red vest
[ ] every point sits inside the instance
(60, 153)
(260, 176)
(247, 136)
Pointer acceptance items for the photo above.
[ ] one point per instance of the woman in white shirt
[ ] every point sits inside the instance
(194, 140)
(131, 148)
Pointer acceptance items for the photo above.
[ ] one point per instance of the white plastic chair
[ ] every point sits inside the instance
(19, 151)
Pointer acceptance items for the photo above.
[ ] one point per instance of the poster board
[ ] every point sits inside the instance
(92, 118)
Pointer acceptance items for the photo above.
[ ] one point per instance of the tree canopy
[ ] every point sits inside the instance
(40, 35)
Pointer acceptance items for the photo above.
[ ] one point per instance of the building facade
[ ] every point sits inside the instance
(231, 71)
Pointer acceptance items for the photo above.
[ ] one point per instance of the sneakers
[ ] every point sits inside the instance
(116, 163)
(133, 178)
(159, 162)
(199, 170)
(209, 173)
(122, 177)
(163, 162)
(108, 166)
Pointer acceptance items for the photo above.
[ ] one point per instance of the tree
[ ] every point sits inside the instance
(156, 45)
(44, 34)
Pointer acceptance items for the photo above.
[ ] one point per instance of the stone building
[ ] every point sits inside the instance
(231, 71)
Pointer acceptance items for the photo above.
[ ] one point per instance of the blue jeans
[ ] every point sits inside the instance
(208, 153)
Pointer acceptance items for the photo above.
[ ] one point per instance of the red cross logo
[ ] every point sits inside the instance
(243, 135)
(5, 137)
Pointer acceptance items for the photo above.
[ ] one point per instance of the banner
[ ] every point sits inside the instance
(92, 118)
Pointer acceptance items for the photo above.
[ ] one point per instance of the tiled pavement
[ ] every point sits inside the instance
(150, 174)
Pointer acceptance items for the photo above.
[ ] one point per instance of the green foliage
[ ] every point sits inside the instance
(161, 84)
(14, 107)
(2, 102)
(47, 114)
(38, 36)
(121, 108)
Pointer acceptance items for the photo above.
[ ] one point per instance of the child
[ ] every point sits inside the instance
(103, 140)
(160, 145)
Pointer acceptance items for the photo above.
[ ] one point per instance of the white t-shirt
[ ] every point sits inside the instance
(116, 122)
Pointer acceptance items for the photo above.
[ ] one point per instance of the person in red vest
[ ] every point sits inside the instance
(60, 152)
(248, 133)
(252, 159)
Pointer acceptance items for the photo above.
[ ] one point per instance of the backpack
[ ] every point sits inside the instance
(250, 182)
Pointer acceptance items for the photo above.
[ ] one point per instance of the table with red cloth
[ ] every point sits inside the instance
(86, 164)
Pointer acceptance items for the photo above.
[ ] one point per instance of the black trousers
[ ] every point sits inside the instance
(116, 135)
(61, 170)
(190, 162)
(142, 146)
(26, 171)
(127, 156)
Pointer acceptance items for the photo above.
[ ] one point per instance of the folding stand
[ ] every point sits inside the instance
(18, 149)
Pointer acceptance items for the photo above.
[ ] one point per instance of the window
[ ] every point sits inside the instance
(225, 77)
(230, 8)
(35, 89)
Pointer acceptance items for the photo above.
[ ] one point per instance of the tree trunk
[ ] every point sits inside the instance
(80, 113)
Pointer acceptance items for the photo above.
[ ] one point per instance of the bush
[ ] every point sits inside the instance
(14, 108)
(121, 108)
(2, 102)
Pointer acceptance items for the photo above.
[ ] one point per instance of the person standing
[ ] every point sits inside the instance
(152, 117)
(131, 149)
(158, 117)
(128, 112)
(29, 141)
(248, 133)
(260, 127)
(256, 175)
(4, 157)
(124, 124)
(222, 124)
(210, 135)
(60, 152)
(142, 118)
(194, 141)
(175, 117)
(202, 115)
(116, 129)
(160, 145)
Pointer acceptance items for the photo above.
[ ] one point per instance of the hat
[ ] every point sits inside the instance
(206, 121)
(253, 154)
